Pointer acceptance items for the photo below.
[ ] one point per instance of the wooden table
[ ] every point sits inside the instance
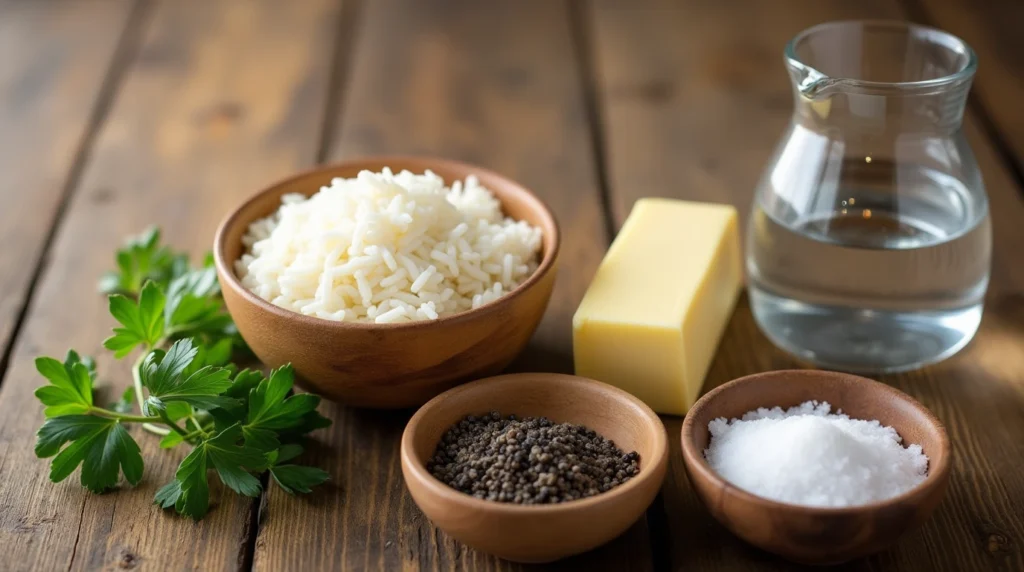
(115, 114)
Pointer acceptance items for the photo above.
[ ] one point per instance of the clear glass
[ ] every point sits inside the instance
(869, 242)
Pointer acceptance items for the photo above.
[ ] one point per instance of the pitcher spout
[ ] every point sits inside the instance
(881, 76)
(814, 85)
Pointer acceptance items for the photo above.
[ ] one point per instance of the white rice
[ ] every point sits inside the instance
(388, 248)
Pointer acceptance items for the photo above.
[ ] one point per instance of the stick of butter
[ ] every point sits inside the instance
(652, 318)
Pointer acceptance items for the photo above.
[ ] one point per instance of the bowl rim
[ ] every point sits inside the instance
(648, 469)
(695, 461)
(230, 280)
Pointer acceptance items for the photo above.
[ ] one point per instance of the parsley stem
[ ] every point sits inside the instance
(156, 429)
(140, 396)
(193, 434)
(137, 379)
(99, 411)
(170, 423)
(198, 426)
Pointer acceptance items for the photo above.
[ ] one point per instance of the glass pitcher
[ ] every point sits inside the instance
(869, 243)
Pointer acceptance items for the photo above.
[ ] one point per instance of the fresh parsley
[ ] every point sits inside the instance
(240, 424)
(293, 478)
(100, 444)
(142, 259)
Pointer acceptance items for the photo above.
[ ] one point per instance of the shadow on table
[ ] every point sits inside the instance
(537, 357)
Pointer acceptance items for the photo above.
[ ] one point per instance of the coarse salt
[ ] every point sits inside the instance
(806, 455)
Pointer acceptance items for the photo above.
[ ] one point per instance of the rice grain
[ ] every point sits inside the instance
(388, 248)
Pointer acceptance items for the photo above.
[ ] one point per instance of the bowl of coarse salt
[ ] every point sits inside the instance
(385, 281)
(818, 467)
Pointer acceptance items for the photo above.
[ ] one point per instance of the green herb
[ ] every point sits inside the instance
(293, 478)
(239, 424)
(143, 259)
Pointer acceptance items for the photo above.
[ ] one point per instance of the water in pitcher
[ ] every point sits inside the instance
(884, 282)
(869, 241)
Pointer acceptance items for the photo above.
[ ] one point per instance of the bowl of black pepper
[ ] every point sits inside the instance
(534, 467)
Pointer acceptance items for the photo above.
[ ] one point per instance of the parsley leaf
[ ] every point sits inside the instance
(102, 446)
(177, 410)
(192, 297)
(72, 357)
(196, 309)
(171, 440)
(271, 410)
(142, 321)
(298, 478)
(243, 384)
(294, 478)
(189, 493)
(169, 494)
(217, 354)
(161, 369)
(164, 375)
(309, 422)
(70, 389)
(285, 453)
(231, 459)
(142, 259)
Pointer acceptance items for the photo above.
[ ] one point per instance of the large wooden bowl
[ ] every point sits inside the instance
(537, 533)
(806, 534)
(389, 365)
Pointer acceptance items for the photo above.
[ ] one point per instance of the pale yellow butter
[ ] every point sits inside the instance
(656, 309)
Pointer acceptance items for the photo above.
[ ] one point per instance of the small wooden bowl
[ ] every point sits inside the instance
(812, 535)
(537, 533)
(389, 365)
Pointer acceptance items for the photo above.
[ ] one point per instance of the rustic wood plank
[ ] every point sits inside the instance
(993, 30)
(494, 84)
(55, 59)
(694, 100)
(222, 98)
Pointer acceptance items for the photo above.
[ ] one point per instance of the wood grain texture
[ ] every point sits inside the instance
(55, 59)
(224, 96)
(491, 83)
(992, 28)
(694, 100)
(194, 130)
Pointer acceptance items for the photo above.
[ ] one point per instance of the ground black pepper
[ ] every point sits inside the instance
(529, 461)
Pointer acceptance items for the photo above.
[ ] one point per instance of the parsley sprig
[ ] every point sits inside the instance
(239, 423)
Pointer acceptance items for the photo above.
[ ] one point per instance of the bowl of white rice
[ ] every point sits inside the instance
(385, 281)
